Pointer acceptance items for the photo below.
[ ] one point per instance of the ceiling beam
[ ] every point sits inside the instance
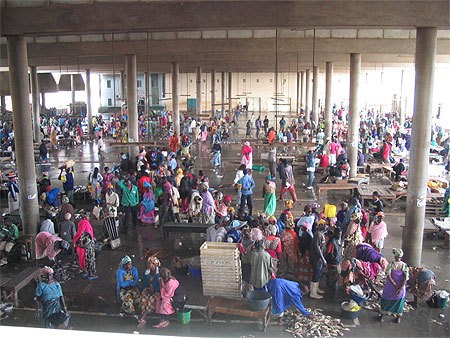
(115, 16)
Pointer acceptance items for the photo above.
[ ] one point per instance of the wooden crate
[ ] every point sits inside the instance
(221, 270)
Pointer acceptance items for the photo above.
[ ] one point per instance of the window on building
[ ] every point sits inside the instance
(109, 102)
(108, 84)
(139, 83)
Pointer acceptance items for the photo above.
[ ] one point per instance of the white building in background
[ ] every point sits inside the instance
(110, 91)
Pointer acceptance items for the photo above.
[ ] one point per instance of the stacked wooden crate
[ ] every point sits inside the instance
(221, 270)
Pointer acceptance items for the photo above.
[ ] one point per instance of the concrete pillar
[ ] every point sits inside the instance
(198, 91)
(303, 89)
(223, 93)
(35, 104)
(123, 93)
(213, 92)
(43, 101)
(147, 93)
(420, 142)
(18, 80)
(328, 88)
(72, 88)
(307, 95)
(401, 109)
(315, 100)
(89, 101)
(230, 102)
(353, 125)
(176, 97)
(298, 90)
(2, 103)
(132, 109)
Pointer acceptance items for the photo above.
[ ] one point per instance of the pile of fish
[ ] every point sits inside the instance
(315, 325)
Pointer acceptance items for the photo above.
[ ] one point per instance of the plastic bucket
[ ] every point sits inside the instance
(330, 210)
(442, 302)
(184, 316)
(195, 272)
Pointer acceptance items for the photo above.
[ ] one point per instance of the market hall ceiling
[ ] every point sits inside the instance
(239, 36)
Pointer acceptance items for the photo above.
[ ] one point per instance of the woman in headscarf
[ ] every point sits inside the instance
(48, 245)
(270, 200)
(222, 209)
(150, 289)
(247, 155)
(394, 291)
(272, 242)
(261, 262)
(95, 180)
(127, 290)
(50, 302)
(421, 284)
(208, 205)
(178, 178)
(289, 244)
(147, 212)
(164, 306)
(84, 226)
(378, 231)
(305, 239)
(353, 236)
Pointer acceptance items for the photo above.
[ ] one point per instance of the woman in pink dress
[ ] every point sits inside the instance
(168, 284)
(247, 155)
(83, 226)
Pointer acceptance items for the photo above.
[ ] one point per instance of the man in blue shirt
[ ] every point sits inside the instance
(247, 191)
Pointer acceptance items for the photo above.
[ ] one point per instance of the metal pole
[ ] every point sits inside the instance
(315, 102)
(223, 94)
(230, 101)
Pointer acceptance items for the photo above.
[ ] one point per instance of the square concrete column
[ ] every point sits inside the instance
(412, 238)
(26, 168)
(147, 93)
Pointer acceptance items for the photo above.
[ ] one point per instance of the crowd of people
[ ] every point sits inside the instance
(312, 248)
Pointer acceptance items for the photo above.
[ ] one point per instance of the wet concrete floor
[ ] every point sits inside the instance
(93, 305)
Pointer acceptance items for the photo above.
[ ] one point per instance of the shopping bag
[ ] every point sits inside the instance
(115, 243)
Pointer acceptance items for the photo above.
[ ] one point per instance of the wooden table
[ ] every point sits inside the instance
(385, 193)
(184, 228)
(11, 288)
(237, 307)
(339, 185)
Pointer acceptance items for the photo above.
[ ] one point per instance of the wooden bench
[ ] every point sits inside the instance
(184, 228)
(237, 307)
(344, 185)
(11, 288)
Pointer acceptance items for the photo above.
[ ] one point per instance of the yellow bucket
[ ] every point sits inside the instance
(330, 210)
